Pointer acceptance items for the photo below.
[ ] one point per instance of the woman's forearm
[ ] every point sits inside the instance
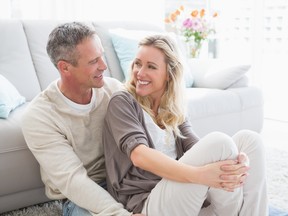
(211, 175)
(160, 164)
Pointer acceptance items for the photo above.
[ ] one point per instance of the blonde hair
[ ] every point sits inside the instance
(171, 111)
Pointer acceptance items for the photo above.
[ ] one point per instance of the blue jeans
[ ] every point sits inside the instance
(71, 209)
(276, 212)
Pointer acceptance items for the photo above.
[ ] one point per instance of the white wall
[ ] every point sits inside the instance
(149, 11)
(5, 9)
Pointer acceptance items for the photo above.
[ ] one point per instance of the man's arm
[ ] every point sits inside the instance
(61, 169)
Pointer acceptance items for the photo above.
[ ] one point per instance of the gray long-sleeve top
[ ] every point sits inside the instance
(124, 129)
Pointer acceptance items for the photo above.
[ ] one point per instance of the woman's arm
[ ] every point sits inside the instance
(211, 174)
(125, 122)
(242, 160)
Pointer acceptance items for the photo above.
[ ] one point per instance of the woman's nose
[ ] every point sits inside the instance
(140, 71)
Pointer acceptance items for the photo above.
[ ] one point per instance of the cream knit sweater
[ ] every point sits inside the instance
(68, 146)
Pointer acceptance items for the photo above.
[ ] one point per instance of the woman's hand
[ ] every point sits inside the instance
(138, 215)
(243, 158)
(242, 165)
(228, 174)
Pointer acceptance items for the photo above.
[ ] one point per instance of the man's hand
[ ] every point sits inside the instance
(138, 215)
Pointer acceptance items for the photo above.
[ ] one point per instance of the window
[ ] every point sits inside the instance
(254, 31)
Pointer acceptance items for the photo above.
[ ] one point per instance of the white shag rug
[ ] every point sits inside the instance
(46, 209)
(277, 177)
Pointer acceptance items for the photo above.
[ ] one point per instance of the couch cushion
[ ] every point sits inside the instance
(250, 96)
(111, 59)
(15, 59)
(37, 33)
(202, 102)
(206, 102)
(126, 48)
(225, 110)
(9, 97)
(15, 157)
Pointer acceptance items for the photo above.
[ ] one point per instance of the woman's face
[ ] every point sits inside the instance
(149, 72)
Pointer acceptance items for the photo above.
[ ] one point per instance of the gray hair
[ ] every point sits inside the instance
(63, 40)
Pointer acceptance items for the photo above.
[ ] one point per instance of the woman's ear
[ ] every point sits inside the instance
(168, 77)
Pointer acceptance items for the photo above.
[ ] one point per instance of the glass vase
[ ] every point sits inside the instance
(193, 48)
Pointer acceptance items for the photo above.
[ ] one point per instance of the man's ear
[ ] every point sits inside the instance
(63, 66)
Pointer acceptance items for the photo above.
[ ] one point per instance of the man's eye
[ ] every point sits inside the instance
(94, 61)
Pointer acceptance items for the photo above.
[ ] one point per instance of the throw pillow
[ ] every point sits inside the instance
(125, 43)
(225, 77)
(9, 97)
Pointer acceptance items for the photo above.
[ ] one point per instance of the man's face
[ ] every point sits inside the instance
(90, 65)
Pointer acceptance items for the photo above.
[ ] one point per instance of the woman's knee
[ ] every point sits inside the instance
(247, 140)
(221, 140)
(221, 144)
(213, 147)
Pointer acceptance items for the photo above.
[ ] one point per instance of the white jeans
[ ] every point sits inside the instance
(170, 198)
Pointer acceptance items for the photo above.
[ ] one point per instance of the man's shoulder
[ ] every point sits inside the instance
(112, 85)
(111, 80)
(41, 102)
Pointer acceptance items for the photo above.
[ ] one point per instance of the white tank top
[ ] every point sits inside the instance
(162, 139)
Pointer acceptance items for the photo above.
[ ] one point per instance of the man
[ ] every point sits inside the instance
(63, 125)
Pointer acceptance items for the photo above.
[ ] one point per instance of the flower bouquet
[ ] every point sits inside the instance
(194, 27)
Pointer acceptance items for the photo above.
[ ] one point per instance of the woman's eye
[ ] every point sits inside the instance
(137, 64)
(151, 67)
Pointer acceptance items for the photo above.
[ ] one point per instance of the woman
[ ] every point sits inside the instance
(155, 163)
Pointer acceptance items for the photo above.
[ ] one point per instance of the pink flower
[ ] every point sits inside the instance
(197, 24)
(193, 24)
(187, 23)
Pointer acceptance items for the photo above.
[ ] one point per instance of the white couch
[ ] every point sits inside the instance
(25, 64)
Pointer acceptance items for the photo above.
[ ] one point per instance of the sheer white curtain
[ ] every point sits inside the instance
(149, 11)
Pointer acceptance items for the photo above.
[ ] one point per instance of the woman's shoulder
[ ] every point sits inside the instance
(124, 99)
(124, 94)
